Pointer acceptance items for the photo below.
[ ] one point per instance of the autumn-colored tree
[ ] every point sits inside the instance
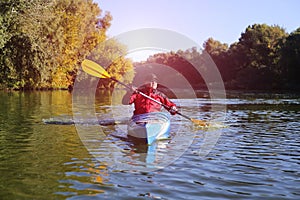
(44, 42)
(80, 30)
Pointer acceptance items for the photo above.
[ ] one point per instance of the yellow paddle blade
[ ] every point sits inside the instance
(94, 69)
(199, 122)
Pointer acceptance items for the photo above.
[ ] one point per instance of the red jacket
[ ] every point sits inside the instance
(145, 105)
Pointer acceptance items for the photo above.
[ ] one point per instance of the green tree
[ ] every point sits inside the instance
(17, 55)
(36, 22)
(182, 62)
(290, 60)
(257, 52)
(219, 53)
(214, 47)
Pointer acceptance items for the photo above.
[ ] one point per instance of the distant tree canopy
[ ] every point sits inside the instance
(257, 50)
(290, 60)
(264, 58)
(180, 62)
(42, 42)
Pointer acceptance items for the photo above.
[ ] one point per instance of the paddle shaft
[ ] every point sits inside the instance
(167, 107)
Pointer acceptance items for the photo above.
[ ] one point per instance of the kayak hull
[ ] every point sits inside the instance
(149, 127)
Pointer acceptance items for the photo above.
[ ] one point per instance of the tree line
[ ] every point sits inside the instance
(43, 42)
(264, 58)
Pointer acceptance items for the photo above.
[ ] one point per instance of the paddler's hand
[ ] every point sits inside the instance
(173, 110)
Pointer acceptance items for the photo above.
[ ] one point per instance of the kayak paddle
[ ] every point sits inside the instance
(95, 69)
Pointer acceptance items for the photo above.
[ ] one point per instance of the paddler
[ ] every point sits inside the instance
(145, 105)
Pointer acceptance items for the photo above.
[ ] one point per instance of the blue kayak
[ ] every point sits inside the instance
(149, 126)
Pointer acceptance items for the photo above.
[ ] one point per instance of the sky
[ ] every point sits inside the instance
(223, 20)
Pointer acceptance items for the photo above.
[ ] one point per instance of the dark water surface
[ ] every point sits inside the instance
(257, 155)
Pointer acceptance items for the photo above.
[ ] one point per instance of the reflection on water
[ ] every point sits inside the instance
(257, 155)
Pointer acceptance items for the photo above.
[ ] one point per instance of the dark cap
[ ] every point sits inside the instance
(151, 77)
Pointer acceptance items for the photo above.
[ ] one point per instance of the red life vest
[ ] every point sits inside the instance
(145, 105)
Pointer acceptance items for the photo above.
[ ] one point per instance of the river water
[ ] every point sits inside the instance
(253, 152)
